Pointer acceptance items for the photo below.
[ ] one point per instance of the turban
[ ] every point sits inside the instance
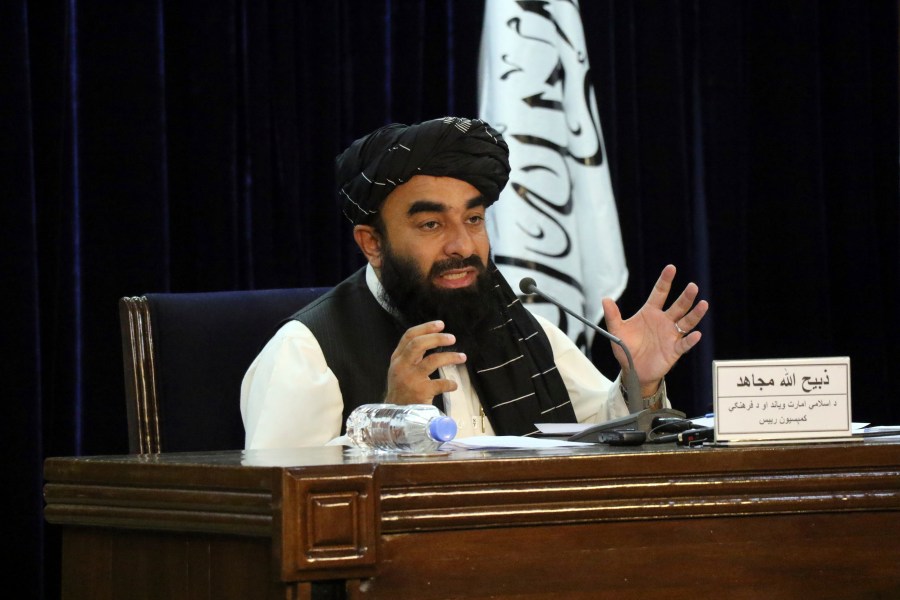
(374, 165)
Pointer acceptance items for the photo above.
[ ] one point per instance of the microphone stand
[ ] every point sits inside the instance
(632, 384)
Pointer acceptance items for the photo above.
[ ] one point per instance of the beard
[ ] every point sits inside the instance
(466, 312)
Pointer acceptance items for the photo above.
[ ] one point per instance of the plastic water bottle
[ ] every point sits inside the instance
(410, 428)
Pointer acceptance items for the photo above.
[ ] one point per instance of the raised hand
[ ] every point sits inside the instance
(657, 337)
(408, 380)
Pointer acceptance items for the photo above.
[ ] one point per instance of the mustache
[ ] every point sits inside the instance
(457, 263)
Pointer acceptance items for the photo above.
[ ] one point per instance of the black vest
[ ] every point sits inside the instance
(357, 337)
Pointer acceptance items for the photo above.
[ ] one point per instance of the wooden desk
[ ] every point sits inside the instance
(817, 521)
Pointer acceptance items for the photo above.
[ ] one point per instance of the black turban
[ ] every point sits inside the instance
(466, 149)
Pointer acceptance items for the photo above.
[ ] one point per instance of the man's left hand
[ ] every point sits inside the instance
(657, 338)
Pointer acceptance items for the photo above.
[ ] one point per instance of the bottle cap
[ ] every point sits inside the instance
(442, 429)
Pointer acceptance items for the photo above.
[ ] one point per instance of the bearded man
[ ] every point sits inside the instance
(430, 319)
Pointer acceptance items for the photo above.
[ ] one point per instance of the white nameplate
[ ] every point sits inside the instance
(785, 399)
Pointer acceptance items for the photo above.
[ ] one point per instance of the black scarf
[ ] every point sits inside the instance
(515, 376)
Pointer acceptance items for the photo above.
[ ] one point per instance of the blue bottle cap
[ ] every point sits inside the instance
(442, 429)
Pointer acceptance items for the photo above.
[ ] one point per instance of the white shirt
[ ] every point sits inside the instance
(290, 398)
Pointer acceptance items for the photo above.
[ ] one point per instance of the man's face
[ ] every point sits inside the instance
(433, 249)
(435, 220)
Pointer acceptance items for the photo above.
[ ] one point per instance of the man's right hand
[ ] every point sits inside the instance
(408, 380)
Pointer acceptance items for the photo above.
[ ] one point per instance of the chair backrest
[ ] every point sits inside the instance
(185, 355)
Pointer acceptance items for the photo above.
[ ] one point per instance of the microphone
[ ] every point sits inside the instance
(632, 385)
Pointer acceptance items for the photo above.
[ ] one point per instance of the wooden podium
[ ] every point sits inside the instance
(802, 521)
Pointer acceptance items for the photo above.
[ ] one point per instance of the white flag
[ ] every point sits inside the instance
(556, 220)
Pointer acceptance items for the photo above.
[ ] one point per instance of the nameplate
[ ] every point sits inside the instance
(778, 400)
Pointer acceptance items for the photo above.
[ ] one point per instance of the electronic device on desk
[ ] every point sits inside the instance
(642, 421)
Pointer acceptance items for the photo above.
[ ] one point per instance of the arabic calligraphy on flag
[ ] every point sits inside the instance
(557, 220)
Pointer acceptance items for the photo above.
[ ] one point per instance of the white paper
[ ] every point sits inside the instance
(704, 422)
(884, 432)
(562, 428)
(485, 442)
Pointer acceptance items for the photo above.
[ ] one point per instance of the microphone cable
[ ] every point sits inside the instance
(672, 427)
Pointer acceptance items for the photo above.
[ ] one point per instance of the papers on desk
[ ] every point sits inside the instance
(704, 422)
(562, 428)
(881, 432)
(567, 429)
(494, 442)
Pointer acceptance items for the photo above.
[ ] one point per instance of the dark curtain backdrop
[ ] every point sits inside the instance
(186, 145)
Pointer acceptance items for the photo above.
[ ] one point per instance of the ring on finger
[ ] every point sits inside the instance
(679, 329)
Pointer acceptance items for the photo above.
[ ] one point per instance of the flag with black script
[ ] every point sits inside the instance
(557, 219)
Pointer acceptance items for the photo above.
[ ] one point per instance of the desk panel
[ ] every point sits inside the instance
(776, 521)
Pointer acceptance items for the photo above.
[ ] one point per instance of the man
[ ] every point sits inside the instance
(431, 319)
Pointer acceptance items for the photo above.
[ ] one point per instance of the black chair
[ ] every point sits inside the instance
(185, 355)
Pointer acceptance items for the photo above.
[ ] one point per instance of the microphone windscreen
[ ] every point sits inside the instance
(527, 285)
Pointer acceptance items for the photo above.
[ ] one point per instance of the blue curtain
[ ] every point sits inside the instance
(188, 146)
